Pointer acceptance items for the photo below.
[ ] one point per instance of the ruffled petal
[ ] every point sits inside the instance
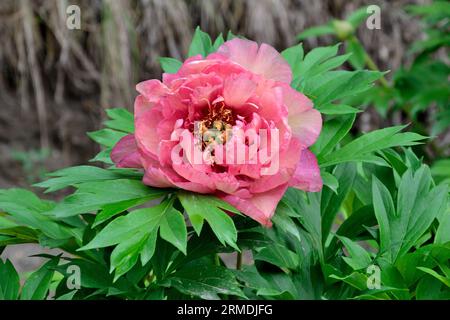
(307, 174)
(146, 134)
(260, 206)
(238, 89)
(264, 60)
(125, 153)
(305, 122)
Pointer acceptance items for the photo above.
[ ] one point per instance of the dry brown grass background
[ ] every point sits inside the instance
(55, 82)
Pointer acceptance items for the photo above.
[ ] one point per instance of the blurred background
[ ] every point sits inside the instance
(55, 82)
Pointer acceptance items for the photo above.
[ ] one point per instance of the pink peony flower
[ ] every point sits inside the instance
(237, 99)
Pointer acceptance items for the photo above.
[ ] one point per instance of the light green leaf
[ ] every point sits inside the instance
(361, 149)
(140, 221)
(315, 32)
(332, 109)
(74, 175)
(170, 65)
(294, 56)
(92, 196)
(120, 119)
(173, 229)
(201, 43)
(106, 137)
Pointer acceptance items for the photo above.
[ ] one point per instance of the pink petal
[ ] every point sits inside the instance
(307, 174)
(287, 165)
(125, 153)
(260, 207)
(305, 122)
(264, 60)
(166, 177)
(153, 89)
(237, 90)
(146, 133)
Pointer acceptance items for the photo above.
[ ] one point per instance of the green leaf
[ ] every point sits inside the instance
(362, 148)
(279, 256)
(417, 206)
(294, 56)
(330, 202)
(314, 61)
(74, 175)
(217, 43)
(201, 44)
(38, 283)
(205, 281)
(253, 279)
(334, 85)
(140, 221)
(148, 250)
(92, 196)
(125, 255)
(315, 32)
(443, 231)
(357, 17)
(330, 181)
(332, 133)
(173, 229)
(9, 281)
(103, 156)
(355, 279)
(339, 109)
(431, 272)
(27, 209)
(282, 220)
(93, 275)
(121, 119)
(170, 65)
(358, 54)
(384, 211)
(110, 210)
(201, 207)
(359, 257)
(106, 137)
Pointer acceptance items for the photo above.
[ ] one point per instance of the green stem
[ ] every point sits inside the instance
(239, 260)
(371, 64)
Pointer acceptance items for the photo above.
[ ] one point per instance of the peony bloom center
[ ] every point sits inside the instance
(216, 123)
